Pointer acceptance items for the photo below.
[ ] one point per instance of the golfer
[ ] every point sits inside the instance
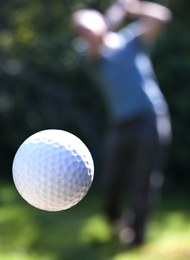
(118, 62)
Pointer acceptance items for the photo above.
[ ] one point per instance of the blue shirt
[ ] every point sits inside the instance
(126, 77)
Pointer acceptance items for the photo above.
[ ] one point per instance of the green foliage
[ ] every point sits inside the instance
(41, 31)
(172, 62)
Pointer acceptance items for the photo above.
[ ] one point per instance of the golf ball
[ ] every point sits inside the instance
(53, 170)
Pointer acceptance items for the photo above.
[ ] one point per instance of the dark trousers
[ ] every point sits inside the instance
(133, 153)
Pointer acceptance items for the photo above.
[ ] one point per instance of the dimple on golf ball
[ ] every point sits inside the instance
(53, 170)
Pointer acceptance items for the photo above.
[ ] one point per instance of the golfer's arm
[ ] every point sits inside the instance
(152, 16)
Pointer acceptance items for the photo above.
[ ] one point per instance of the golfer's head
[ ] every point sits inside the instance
(90, 24)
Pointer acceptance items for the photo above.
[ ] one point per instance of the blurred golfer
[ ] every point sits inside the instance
(119, 63)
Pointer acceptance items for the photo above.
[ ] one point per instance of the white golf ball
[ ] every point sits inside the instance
(53, 170)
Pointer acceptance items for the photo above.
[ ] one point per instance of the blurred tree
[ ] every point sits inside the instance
(172, 61)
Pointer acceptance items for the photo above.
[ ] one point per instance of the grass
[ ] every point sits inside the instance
(82, 232)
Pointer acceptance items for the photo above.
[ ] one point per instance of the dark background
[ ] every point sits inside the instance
(41, 84)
